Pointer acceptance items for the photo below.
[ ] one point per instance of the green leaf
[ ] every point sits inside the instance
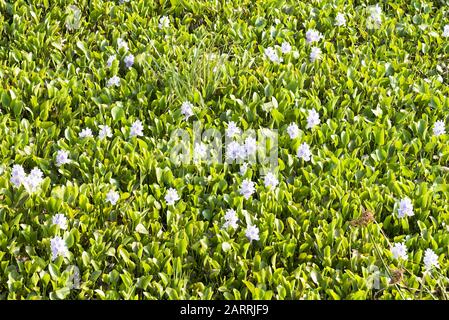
(70, 240)
(117, 113)
(54, 271)
(379, 136)
(60, 294)
(140, 228)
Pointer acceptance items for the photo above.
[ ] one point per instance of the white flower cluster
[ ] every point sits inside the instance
(313, 35)
(231, 219)
(113, 81)
(236, 151)
(439, 128)
(62, 157)
(136, 129)
(128, 60)
(58, 248)
(286, 47)
(272, 52)
(187, 109)
(405, 208)
(164, 22)
(293, 130)
(430, 259)
(232, 130)
(304, 152)
(112, 197)
(171, 196)
(399, 252)
(122, 44)
(375, 16)
(60, 220)
(86, 133)
(247, 188)
(315, 54)
(104, 132)
(446, 31)
(30, 182)
(270, 180)
(313, 119)
(199, 151)
(252, 233)
(111, 59)
(340, 20)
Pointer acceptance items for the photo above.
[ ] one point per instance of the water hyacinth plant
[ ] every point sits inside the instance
(224, 149)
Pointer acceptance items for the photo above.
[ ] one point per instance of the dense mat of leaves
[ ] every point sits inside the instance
(92, 207)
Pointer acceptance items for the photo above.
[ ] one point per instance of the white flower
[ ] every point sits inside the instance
(58, 248)
(18, 175)
(304, 152)
(247, 188)
(129, 60)
(122, 44)
(405, 208)
(315, 54)
(272, 55)
(271, 180)
(376, 14)
(340, 20)
(230, 219)
(438, 128)
(232, 130)
(200, 151)
(376, 10)
(60, 220)
(430, 259)
(172, 196)
(105, 132)
(187, 109)
(136, 129)
(226, 246)
(399, 251)
(62, 157)
(86, 133)
(235, 151)
(114, 81)
(111, 60)
(112, 197)
(313, 119)
(164, 22)
(446, 31)
(250, 146)
(286, 47)
(293, 130)
(313, 36)
(33, 180)
(243, 168)
(252, 233)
